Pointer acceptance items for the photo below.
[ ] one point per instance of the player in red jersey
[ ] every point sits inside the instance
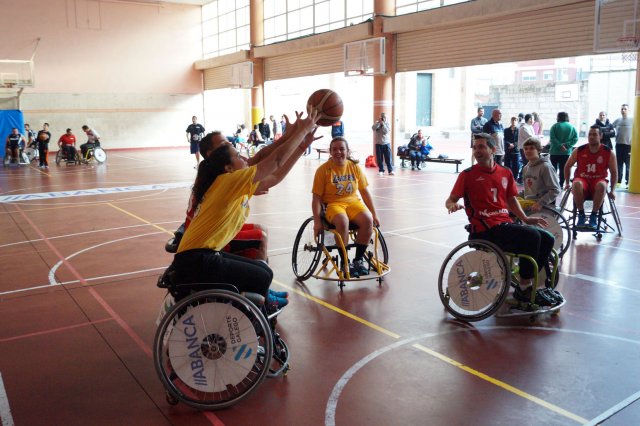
(590, 179)
(490, 193)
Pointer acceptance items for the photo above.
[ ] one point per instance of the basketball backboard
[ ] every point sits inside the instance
(242, 75)
(365, 57)
(616, 26)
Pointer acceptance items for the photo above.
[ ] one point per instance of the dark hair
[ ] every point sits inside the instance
(340, 138)
(598, 128)
(563, 116)
(206, 144)
(208, 170)
(528, 117)
(68, 130)
(85, 127)
(520, 115)
(487, 137)
(45, 124)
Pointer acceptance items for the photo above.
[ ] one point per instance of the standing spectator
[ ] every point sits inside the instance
(44, 137)
(511, 152)
(381, 132)
(337, 129)
(93, 138)
(195, 132)
(13, 145)
(563, 137)
(520, 119)
(67, 143)
(608, 131)
(525, 132)
(623, 126)
(495, 129)
(477, 124)
(538, 125)
(277, 129)
(264, 129)
(283, 124)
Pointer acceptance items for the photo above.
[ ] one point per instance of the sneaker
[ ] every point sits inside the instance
(380, 173)
(541, 299)
(274, 304)
(353, 272)
(522, 295)
(618, 185)
(412, 168)
(281, 294)
(391, 173)
(418, 167)
(582, 219)
(593, 221)
(358, 266)
(553, 295)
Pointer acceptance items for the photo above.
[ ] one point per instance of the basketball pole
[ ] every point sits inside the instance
(634, 170)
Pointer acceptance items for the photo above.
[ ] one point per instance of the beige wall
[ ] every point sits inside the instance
(124, 68)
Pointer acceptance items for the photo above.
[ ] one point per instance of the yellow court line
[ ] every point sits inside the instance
(441, 357)
(140, 219)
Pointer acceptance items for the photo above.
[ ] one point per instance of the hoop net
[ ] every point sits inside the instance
(630, 47)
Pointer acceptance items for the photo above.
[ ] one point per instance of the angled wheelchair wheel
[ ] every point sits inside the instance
(212, 349)
(382, 252)
(99, 154)
(558, 226)
(616, 216)
(59, 157)
(474, 280)
(306, 251)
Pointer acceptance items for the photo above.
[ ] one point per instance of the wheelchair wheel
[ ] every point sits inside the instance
(474, 280)
(558, 226)
(306, 251)
(616, 216)
(58, 157)
(212, 349)
(382, 252)
(279, 364)
(99, 154)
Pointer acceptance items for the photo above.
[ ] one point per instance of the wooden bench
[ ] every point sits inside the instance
(456, 161)
(321, 151)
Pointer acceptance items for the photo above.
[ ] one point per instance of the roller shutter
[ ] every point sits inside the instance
(217, 78)
(302, 64)
(550, 33)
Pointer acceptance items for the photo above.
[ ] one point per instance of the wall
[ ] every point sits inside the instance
(125, 69)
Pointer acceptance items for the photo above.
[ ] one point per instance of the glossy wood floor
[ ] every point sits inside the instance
(78, 303)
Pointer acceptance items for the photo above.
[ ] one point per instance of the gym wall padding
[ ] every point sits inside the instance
(8, 120)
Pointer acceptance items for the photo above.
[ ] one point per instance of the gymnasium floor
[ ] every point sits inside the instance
(78, 303)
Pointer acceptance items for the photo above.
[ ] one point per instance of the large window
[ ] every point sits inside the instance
(289, 19)
(410, 6)
(225, 27)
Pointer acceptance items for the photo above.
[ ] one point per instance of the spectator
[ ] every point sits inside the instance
(476, 127)
(67, 143)
(381, 132)
(525, 132)
(264, 129)
(538, 125)
(495, 129)
(277, 129)
(623, 126)
(255, 137)
(195, 132)
(608, 131)
(511, 152)
(44, 137)
(563, 137)
(337, 129)
(540, 179)
(415, 150)
(590, 178)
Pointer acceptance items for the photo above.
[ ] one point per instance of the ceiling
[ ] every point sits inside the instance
(193, 2)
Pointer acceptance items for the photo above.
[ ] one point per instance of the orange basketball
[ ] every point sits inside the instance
(329, 105)
(42, 136)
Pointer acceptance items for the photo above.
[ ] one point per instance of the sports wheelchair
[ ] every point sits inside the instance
(214, 346)
(94, 152)
(475, 278)
(557, 225)
(604, 215)
(309, 249)
(63, 155)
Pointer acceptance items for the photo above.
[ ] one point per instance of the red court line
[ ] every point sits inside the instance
(121, 322)
(53, 330)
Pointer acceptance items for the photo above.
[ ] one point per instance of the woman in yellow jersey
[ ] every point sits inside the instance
(336, 184)
(222, 190)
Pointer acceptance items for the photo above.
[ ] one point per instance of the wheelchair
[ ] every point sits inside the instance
(475, 278)
(22, 159)
(309, 250)
(94, 153)
(557, 225)
(605, 216)
(63, 155)
(215, 346)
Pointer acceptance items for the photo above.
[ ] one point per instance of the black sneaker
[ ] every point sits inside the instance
(522, 295)
(541, 299)
(553, 295)
(360, 269)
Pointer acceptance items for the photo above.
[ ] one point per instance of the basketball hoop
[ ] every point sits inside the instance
(354, 73)
(629, 45)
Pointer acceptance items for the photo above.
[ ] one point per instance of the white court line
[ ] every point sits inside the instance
(132, 158)
(5, 409)
(614, 410)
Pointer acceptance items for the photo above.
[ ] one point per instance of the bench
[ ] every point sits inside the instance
(321, 151)
(456, 161)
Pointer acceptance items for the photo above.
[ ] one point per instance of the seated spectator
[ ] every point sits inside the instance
(541, 184)
(255, 137)
(415, 150)
(590, 178)
(425, 149)
(67, 143)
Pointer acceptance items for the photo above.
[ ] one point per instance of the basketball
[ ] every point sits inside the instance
(42, 136)
(329, 106)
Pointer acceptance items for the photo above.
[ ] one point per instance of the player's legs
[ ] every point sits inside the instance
(577, 189)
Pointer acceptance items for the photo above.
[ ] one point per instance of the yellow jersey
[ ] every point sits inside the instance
(334, 183)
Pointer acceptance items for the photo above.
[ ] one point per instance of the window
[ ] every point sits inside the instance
(225, 27)
(547, 75)
(411, 6)
(529, 76)
(289, 19)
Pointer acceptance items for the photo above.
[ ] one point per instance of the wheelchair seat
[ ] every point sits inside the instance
(604, 214)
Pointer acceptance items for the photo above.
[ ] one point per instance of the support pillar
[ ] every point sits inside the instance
(256, 26)
(383, 85)
(634, 170)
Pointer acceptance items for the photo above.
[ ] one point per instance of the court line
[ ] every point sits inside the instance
(438, 355)
(139, 218)
(614, 410)
(54, 330)
(5, 409)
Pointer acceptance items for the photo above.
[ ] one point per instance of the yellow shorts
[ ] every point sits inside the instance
(351, 209)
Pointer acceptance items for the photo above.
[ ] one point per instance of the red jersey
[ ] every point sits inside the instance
(485, 192)
(67, 139)
(593, 166)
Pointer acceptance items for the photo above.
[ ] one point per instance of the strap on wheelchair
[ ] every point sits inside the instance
(168, 280)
